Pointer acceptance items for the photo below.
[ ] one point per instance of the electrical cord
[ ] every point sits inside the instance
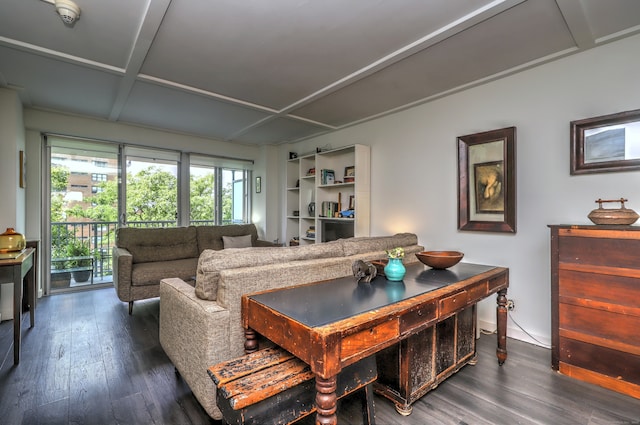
(523, 330)
(488, 332)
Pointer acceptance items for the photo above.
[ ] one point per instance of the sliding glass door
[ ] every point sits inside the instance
(83, 196)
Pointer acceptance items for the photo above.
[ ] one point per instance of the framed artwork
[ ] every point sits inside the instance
(350, 171)
(23, 169)
(605, 144)
(258, 184)
(487, 181)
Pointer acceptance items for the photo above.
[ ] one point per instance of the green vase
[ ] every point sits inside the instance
(394, 270)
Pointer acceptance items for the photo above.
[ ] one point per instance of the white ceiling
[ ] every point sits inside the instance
(273, 71)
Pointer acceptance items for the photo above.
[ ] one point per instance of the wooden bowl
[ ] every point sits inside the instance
(439, 259)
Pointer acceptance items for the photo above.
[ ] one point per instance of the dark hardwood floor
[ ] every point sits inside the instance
(88, 362)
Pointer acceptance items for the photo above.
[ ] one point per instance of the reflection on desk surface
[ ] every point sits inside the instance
(12, 255)
(328, 302)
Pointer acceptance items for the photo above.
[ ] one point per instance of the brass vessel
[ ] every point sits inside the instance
(622, 215)
(11, 241)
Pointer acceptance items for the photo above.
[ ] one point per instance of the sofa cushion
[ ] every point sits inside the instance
(158, 244)
(365, 244)
(151, 273)
(211, 261)
(236, 241)
(210, 237)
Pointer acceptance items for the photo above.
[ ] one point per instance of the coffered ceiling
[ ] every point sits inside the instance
(274, 71)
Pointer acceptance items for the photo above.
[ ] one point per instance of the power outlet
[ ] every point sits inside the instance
(511, 305)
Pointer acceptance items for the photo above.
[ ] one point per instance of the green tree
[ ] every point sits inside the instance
(227, 204)
(151, 195)
(202, 197)
(104, 204)
(59, 178)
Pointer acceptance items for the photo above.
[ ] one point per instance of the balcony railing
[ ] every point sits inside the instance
(100, 238)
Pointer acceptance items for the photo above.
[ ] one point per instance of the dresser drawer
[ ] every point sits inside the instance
(600, 325)
(615, 253)
(595, 287)
(617, 365)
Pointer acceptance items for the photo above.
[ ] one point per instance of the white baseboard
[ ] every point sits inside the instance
(516, 333)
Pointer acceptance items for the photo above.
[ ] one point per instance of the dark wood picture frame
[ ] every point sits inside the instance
(23, 170)
(599, 144)
(487, 181)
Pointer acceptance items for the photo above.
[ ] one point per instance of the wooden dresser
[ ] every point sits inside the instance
(595, 305)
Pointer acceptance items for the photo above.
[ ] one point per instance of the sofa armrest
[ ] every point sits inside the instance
(122, 267)
(194, 334)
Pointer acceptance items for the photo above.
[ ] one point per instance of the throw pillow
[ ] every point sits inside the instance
(237, 241)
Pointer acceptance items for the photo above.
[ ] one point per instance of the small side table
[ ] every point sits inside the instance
(16, 270)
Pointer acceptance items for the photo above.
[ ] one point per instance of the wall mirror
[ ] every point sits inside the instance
(606, 144)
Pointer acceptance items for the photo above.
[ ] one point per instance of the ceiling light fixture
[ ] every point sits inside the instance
(69, 11)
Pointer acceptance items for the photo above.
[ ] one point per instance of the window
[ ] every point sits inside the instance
(113, 185)
(151, 187)
(219, 190)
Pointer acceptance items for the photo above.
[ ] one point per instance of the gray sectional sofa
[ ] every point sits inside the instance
(143, 256)
(202, 326)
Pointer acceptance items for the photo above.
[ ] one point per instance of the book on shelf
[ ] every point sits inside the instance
(327, 176)
(311, 232)
(329, 209)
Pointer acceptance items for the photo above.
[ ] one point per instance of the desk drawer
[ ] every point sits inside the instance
(419, 317)
(370, 338)
(453, 303)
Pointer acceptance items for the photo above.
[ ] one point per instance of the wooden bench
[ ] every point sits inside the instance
(271, 386)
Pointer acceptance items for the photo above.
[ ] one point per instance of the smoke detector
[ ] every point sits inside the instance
(68, 11)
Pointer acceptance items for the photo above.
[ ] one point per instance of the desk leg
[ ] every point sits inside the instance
(17, 312)
(326, 401)
(251, 341)
(501, 315)
(31, 294)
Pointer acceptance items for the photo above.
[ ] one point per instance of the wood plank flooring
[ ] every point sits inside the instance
(88, 362)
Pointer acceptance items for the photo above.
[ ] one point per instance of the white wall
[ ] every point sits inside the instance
(266, 214)
(12, 207)
(414, 167)
(12, 141)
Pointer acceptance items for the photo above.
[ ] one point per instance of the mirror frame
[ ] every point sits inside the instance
(467, 186)
(578, 128)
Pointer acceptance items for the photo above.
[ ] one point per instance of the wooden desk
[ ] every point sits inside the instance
(15, 270)
(332, 324)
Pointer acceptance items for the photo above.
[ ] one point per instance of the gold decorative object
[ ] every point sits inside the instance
(621, 216)
(11, 241)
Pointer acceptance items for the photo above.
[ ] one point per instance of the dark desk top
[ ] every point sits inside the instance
(327, 302)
